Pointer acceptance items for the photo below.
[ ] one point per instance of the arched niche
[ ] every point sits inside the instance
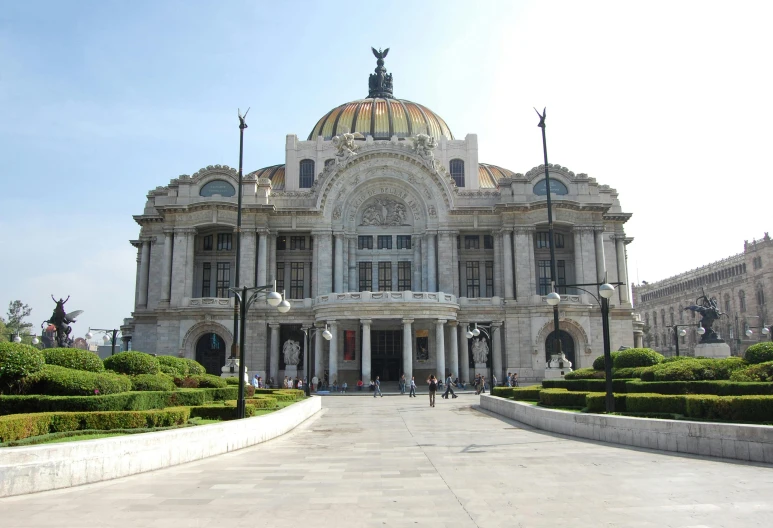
(384, 204)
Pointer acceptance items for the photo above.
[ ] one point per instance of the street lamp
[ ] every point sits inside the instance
(307, 341)
(475, 331)
(605, 291)
(274, 299)
(16, 338)
(110, 336)
(242, 126)
(763, 328)
(681, 333)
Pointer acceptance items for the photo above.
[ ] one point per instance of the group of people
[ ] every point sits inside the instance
(512, 379)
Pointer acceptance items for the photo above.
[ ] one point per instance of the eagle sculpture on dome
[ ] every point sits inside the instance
(380, 55)
(380, 82)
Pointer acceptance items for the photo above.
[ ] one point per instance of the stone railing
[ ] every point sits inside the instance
(478, 302)
(207, 302)
(386, 297)
(566, 299)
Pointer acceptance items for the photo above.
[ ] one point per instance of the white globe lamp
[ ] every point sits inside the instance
(553, 298)
(606, 290)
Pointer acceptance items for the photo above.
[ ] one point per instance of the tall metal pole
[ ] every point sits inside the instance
(242, 126)
(240, 396)
(112, 350)
(610, 397)
(676, 337)
(307, 383)
(551, 240)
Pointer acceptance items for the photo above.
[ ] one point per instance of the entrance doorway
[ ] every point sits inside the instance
(567, 346)
(210, 352)
(386, 354)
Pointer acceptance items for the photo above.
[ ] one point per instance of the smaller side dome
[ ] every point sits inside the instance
(275, 173)
(489, 175)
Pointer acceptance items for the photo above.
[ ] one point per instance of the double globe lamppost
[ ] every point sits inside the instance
(110, 336)
(308, 334)
(763, 328)
(679, 331)
(488, 330)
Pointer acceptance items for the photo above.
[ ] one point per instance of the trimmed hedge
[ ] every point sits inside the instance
(74, 358)
(133, 363)
(208, 381)
(17, 361)
(584, 373)
(562, 398)
(629, 373)
(262, 402)
(527, 393)
(220, 412)
(759, 353)
(19, 426)
(60, 381)
(174, 366)
(717, 387)
(660, 403)
(153, 382)
(232, 381)
(730, 408)
(599, 364)
(587, 385)
(194, 367)
(596, 402)
(758, 372)
(693, 369)
(502, 392)
(636, 357)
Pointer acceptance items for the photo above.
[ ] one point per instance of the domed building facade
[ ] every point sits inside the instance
(386, 230)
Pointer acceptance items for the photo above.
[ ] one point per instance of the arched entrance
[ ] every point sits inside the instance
(567, 346)
(210, 352)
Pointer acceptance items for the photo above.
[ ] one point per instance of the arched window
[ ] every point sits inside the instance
(457, 171)
(671, 315)
(657, 341)
(655, 318)
(727, 303)
(663, 316)
(307, 174)
(647, 319)
(760, 296)
(742, 300)
(681, 313)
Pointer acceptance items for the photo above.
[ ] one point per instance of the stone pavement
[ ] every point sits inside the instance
(396, 462)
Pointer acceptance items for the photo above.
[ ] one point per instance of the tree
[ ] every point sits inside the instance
(15, 324)
(3, 331)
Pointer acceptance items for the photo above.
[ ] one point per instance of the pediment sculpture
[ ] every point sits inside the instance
(384, 212)
(292, 352)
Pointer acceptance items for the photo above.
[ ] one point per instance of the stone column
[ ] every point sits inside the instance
(416, 264)
(345, 265)
(407, 349)
(496, 346)
(323, 263)
(333, 365)
(588, 256)
(464, 356)
(455, 283)
(247, 258)
(622, 273)
(189, 261)
(524, 262)
(144, 268)
(498, 263)
(431, 264)
(314, 268)
(353, 275)
(339, 263)
(424, 264)
(453, 359)
(166, 268)
(262, 278)
(507, 256)
(366, 374)
(179, 256)
(601, 267)
(319, 369)
(578, 262)
(273, 361)
(272, 257)
(440, 348)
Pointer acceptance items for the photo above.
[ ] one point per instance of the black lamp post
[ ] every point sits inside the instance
(763, 328)
(109, 334)
(273, 298)
(681, 333)
(242, 126)
(474, 332)
(307, 341)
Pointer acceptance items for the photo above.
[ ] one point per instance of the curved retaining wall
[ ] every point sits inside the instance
(53, 466)
(743, 442)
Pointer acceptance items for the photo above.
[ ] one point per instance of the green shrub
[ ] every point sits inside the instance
(74, 358)
(657, 403)
(587, 385)
(730, 408)
(153, 382)
(675, 358)
(527, 393)
(636, 357)
(209, 381)
(585, 373)
(596, 402)
(630, 373)
(759, 353)
(220, 412)
(758, 372)
(262, 402)
(598, 363)
(502, 392)
(232, 381)
(19, 426)
(717, 387)
(133, 363)
(194, 367)
(694, 370)
(17, 361)
(174, 366)
(562, 398)
(60, 381)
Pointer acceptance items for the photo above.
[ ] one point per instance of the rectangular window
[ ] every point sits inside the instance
(384, 276)
(224, 241)
(473, 279)
(281, 243)
(207, 243)
(471, 242)
(385, 241)
(489, 278)
(488, 242)
(543, 241)
(296, 280)
(544, 276)
(366, 276)
(280, 276)
(297, 242)
(223, 278)
(560, 275)
(403, 241)
(206, 279)
(404, 276)
(349, 345)
(559, 238)
(364, 242)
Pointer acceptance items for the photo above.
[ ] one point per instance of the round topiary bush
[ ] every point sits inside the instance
(74, 358)
(759, 353)
(598, 363)
(584, 373)
(693, 369)
(636, 357)
(208, 381)
(675, 358)
(60, 381)
(174, 366)
(758, 372)
(153, 382)
(17, 361)
(194, 367)
(133, 363)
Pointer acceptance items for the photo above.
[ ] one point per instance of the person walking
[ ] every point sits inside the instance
(377, 389)
(449, 381)
(413, 387)
(402, 384)
(432, 382)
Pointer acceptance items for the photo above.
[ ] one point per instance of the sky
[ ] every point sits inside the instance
(102, 101)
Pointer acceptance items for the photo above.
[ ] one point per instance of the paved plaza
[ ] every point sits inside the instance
(394, 461)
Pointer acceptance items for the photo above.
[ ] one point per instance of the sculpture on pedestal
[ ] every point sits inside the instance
(292, 352)
(709, 311)
(61, 320)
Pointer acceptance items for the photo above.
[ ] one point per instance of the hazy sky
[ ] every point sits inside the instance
(101, 101)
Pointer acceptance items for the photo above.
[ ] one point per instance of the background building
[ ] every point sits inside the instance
(397, 238)
(742, 285)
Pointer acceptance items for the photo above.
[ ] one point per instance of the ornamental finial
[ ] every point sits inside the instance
(380, 82)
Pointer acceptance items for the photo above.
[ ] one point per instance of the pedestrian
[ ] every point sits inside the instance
(344, 387)
(477, 384)
(359, 385)
(449, 381)
(315, 383)
(515, 379)
(255, 382)
(402, 384)
(432, 382)
(300, 384)
(413, 387)
(377, 388)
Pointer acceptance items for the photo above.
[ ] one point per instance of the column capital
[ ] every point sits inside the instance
(525, 230)
(366, 321)
(599, 228)
(496, 324)
(274, 326)
(502, 231)
(441, 321)
(332, 322)
(185, 230)
(169, 230)
(321, 231)
(262, 231)
(453, 323)
(408, 321)
(339, 234)
(583, 228)
(148, 239)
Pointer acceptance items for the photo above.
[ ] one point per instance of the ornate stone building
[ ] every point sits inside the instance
(742, 285)
(386, 228)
